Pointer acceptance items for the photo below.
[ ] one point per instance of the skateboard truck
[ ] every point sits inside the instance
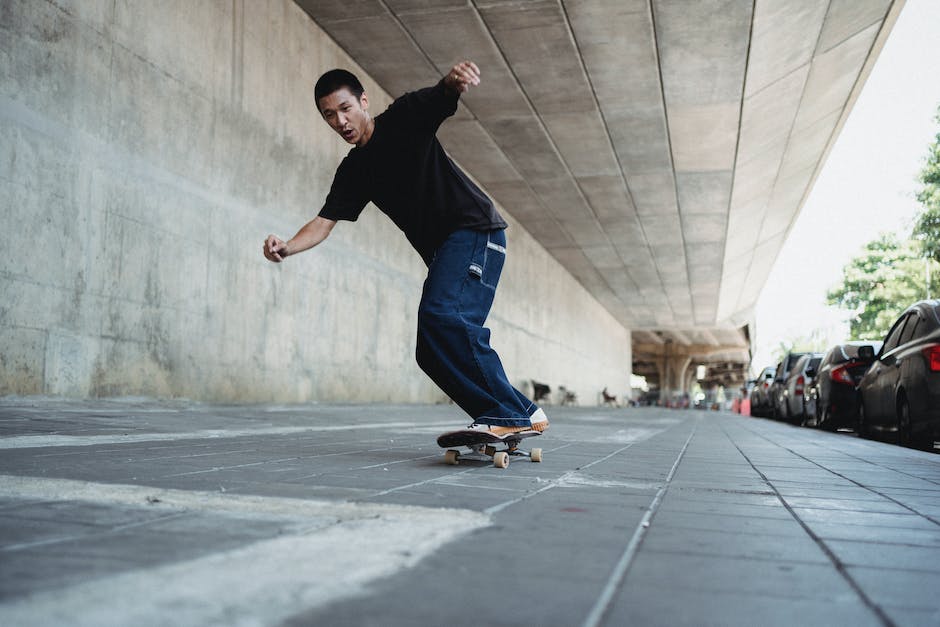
(485, 444)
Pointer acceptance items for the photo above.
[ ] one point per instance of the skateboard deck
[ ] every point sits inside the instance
(499, 448)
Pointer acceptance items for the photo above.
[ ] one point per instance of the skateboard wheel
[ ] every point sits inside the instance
(452, 457)
(501, 459)
(489, 451)
(535, 455)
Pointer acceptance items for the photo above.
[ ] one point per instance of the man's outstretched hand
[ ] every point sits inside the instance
(462, 76)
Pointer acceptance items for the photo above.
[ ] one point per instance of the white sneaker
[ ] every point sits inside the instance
(539, 420)
(539, 423)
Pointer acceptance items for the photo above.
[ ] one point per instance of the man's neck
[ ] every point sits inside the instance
(367, 134)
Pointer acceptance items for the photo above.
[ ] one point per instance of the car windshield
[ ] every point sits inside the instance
(814, 362)
(848, 352)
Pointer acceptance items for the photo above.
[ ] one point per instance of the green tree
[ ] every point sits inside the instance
(816, 341)
(927, 227)
(880, 283)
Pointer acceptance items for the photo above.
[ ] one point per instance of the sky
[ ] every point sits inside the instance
(866, 187)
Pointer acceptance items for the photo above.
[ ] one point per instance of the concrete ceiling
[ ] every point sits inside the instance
(659, 149)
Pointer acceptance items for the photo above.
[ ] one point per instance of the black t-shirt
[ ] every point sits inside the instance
(404, 170)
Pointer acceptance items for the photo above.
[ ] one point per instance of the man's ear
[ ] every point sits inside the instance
(364, 101)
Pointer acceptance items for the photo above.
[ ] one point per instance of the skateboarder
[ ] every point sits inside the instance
(398, 164)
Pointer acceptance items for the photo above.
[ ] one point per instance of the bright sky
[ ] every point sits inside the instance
(866, 187)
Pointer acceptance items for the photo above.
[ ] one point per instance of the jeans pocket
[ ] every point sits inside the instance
(488, 259)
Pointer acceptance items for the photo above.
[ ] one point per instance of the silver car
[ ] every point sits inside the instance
(799, 380)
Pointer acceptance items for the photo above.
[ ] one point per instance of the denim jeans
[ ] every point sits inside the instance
(453, 345)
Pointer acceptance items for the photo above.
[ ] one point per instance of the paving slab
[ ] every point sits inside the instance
(136, 511)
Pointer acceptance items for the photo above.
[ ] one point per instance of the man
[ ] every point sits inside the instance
(398, 164)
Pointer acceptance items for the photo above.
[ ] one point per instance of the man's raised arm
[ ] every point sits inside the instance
(307, 237)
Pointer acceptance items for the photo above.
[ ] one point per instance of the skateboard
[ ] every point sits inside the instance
(482, 443)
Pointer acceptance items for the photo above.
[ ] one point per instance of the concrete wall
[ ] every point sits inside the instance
(146, 149)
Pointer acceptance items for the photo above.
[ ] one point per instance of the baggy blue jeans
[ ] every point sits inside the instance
(453, 345)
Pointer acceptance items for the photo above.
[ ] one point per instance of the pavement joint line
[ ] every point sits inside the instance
(439, 478)
(92, 534)
(554, 483)
(860, 485)
(602, 605)
(882, 466)
(49, 441)
(235, 466)
(286, 459)
(418, 484)
(400, 461)
(477, 487)
(839, 565)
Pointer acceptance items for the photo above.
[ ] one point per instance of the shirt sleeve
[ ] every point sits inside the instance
(426, 108)
(348, 193)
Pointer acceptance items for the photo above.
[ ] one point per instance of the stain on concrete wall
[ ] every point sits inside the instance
(146, 149)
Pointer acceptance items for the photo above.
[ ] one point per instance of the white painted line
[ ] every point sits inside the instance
(328, 551)
(37, 441)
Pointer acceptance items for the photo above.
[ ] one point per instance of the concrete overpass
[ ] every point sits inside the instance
(650, 156)
(660, 150)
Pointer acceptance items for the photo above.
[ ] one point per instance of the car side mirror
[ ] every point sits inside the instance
(866, 353)
(811, 372)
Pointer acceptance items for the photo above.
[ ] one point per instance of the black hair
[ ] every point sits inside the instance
(334, 80)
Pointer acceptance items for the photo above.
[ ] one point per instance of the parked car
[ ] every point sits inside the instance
(799, 379)
(900, 393)
(760, 401)
(777, 398)
(833, 396)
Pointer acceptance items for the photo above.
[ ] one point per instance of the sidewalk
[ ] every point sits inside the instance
(171, 513)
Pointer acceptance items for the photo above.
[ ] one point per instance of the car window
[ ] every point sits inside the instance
(837, 355)
(924, 327)
(814, 362)
(792, 359)
(799, 365)
(932, 320)
(891, 342)
(910, 329)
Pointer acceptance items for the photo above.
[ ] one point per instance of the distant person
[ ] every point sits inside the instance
(398, 164)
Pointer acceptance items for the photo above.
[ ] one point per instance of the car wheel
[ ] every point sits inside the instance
(823, 421)
(905, 436)
(861, 425)
(808, 416)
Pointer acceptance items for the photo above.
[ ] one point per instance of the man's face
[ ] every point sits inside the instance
(346, 115)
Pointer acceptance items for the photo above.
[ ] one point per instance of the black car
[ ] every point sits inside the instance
(760, 399)
(776, 395)
(799, 379)
(900, 393)
(833, 395)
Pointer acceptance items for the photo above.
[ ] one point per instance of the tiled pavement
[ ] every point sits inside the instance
(151, 513)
